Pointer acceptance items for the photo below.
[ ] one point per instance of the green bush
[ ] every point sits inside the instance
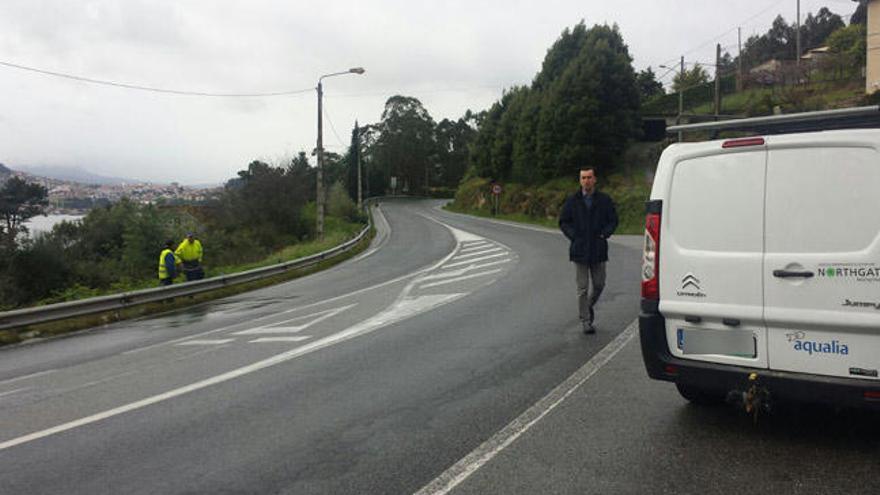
(340, 204)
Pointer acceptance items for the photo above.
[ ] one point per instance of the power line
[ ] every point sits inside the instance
(149, 88)
(332, 127)
(762, 12)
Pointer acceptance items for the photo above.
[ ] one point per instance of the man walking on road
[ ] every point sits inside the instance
(190, 253)
(588, 219)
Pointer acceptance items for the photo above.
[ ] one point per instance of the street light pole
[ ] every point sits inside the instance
(357, 143)
(319, 199)
(680, 92)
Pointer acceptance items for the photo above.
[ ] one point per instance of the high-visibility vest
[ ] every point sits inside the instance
(189, 251)
(163, 271)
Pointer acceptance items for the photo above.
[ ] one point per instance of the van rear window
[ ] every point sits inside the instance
(716, 202)
(823, 199)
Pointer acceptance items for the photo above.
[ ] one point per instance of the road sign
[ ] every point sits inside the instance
(496, 189)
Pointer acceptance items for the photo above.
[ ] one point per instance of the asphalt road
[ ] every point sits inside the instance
(372, 377)
(446, 359)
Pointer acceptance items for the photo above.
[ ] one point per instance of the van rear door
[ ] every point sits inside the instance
(822, 255)
(711, 252)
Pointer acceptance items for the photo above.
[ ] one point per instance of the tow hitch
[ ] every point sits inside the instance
(755, 399)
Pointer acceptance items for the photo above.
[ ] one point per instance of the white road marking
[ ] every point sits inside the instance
(298, 338)
(10, 392)
(405, 307)
(25, 377)
(206, 342)
(386, 234)
(459, 279)
(467, 466)
(279, 328)
(536, 228)
(471, 247)
(460, 263)
(402, 311)
(462, 271)
(478, 253)
(299, 308)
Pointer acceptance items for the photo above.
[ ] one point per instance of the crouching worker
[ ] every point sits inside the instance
(167, 264)
(190, 253)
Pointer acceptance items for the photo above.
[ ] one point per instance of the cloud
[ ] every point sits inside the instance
(453, 55)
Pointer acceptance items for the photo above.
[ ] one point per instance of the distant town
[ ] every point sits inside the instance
(76, 198)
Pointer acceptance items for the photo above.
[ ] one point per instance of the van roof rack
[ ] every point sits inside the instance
(823, 120)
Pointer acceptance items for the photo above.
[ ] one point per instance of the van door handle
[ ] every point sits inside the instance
(791, 274)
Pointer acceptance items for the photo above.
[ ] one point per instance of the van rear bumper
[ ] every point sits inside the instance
(783, 385)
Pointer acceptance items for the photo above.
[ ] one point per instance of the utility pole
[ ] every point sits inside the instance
(319, 198)
(680, 95)
(739, 59)
(717, 80)
(798, 29)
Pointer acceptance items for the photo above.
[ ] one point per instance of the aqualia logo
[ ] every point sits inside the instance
(819, 347)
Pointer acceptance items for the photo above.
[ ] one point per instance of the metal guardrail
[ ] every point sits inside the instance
(115, 302)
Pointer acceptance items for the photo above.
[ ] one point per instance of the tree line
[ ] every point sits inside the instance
(582, 108)
(116, 247)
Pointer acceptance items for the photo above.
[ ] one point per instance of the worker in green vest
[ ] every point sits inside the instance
(190, 254)
(167, 264)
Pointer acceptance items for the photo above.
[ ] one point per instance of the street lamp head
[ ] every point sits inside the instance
(357, 70)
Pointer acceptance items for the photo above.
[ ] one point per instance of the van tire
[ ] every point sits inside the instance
(700, 396)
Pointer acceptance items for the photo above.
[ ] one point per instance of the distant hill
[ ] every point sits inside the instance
(4, 171)
(74, 174)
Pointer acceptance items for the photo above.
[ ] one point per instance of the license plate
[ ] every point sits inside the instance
(738, 343)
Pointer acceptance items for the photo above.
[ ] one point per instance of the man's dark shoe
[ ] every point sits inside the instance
(589, 329)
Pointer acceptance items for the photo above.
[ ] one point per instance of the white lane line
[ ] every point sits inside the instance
(405, 309)
(298, 338)
(278, 327)
(206, 342)
(386, 234)
(300, 308)
(25, 377)
(462, 271)
(478, 253)
(461, 263)
(459, 279)
(467, 466)
(10, 392)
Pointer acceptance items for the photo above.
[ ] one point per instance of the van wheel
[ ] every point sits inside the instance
(700, 396)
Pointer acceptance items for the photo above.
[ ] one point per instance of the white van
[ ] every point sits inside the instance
(761, 272)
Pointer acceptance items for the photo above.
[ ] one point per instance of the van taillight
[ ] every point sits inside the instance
(739, 143)
(651, 257)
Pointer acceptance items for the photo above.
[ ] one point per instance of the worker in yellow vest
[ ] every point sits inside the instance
(190, 254)
(167, 264)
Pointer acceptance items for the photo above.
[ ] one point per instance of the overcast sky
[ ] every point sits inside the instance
(452, 55)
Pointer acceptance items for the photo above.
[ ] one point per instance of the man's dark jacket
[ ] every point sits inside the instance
(588, 229)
